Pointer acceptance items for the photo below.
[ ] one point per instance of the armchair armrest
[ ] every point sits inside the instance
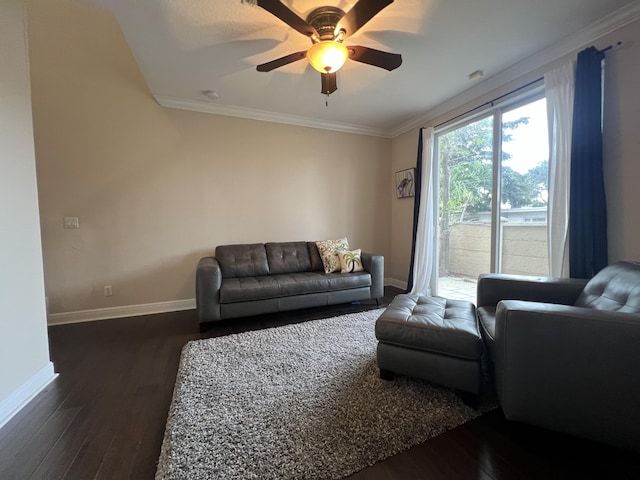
(208, 282)
(570, 369)
(374, 264)
(494, 287)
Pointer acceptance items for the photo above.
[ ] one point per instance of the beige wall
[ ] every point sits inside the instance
(24, 353)
(155, 189)
(404, 154)
(621, 150)
(622, 144)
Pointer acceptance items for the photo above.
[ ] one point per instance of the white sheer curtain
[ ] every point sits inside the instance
(559, 89)
(424, 262)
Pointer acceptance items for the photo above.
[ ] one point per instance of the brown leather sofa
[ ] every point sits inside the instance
(566, 353)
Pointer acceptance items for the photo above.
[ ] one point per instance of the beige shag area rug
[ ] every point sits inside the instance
(293, 402)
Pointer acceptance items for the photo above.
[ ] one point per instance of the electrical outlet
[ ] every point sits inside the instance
(108, 290)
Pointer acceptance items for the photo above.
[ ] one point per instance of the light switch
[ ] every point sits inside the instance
(71, 222)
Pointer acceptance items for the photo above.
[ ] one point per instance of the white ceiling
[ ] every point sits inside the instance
(186, 47)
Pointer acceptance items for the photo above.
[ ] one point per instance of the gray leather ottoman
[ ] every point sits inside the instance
(434, 339)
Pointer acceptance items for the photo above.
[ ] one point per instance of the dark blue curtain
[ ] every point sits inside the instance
(587, 210)
(416, 209)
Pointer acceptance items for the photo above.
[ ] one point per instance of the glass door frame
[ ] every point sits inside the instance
(496, 110)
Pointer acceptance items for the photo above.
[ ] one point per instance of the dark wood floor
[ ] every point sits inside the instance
(104, 416)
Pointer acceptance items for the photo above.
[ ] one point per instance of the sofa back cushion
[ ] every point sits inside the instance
(314, 255)
(615, 288)
(287, 257)
(246, 260)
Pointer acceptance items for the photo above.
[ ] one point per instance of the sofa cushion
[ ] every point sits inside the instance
(314, 256)
(283, 285)
(615, 288)
(246, 260)
(244, 289)
(339, 281)
(287, 257)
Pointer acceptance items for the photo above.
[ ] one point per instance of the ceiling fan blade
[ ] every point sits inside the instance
(277, 8)
(360, 13)
(377, 58)
(329, 83)
(282, 61)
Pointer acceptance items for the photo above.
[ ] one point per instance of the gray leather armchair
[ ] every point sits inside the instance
(566, 353)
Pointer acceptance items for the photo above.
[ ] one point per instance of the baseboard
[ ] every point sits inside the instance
(25, 393)
(393, 282)
(144, 309)
(120, 312)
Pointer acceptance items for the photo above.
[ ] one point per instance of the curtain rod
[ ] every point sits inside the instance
(611, 47)
(515, 90)
(490, 102)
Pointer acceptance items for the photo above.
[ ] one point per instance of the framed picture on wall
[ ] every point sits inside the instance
(405, 183)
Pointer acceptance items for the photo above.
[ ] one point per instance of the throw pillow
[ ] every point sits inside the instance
(350, 261)
(328, 252)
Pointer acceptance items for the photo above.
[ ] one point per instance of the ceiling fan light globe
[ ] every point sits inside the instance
(327, 56)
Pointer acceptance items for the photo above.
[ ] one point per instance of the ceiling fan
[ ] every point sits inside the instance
(327, 27)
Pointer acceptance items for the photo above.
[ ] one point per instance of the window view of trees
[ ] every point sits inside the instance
(466, 170)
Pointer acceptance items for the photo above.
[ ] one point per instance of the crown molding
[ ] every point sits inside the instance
(265, 116)
(570, 44)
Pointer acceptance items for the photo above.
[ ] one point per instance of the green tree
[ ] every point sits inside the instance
(466, 172)
(525, 190)
(466, 175)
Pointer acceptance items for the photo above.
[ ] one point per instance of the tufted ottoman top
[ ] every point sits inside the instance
(433, 324)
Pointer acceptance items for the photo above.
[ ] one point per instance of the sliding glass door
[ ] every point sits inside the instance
(492, 197)
(524, 183)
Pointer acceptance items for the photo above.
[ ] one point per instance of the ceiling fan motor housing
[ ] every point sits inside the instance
(324, 20)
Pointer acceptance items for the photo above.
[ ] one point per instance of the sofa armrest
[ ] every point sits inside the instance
(374, 264)
(570, 369)
(208, 282)
(494, 287)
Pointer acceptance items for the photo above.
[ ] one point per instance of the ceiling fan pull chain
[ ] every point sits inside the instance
(326, 101)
